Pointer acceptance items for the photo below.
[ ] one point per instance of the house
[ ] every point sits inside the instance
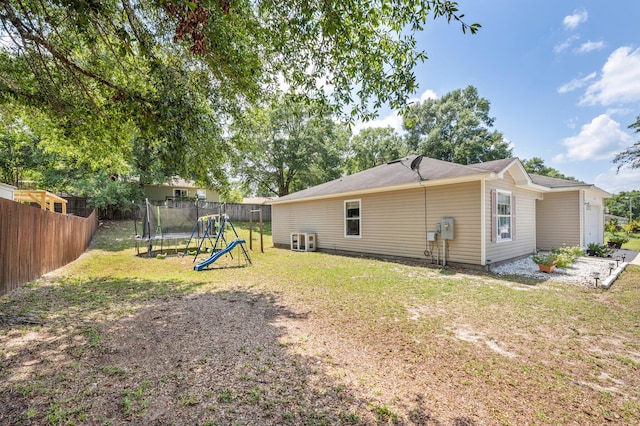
(258, 200)
(442, 212)
(178, 188)
(6, 191)
(571, 213)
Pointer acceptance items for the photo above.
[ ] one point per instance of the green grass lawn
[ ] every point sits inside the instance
(633, 243)
(343, 340)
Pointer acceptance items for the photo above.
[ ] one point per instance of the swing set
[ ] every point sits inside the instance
(215, 225)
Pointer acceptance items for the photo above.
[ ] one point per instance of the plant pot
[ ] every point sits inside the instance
(547, 269)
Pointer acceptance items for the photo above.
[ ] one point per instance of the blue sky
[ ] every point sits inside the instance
(563, 79)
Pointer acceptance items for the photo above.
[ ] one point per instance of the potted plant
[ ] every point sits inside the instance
(616, 240)
(546, 262)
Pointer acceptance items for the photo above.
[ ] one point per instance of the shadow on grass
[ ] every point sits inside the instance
(135, 351)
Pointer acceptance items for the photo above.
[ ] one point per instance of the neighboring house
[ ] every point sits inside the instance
(258, 200)
(487, 212)
(179, 188)
(6, 191)
(620, 219)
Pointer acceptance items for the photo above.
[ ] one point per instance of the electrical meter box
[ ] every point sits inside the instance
(447, 228)
(432, 236)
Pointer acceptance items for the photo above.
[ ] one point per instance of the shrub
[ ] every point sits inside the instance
(632, 227)
(565, 256)
(616, 239)
(611, 225)
(598, 250)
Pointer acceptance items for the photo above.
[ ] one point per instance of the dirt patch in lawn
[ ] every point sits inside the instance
(203, 359)
(315, 340)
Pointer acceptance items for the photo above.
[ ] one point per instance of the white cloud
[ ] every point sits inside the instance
(393, 120)
(571, 22)
(615, 181)
(576, 83)
(561, 47)
(427, 94)
(599, 140)
(619, 82)
(590, 46)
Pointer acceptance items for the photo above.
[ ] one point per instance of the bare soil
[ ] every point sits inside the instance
(163, 352)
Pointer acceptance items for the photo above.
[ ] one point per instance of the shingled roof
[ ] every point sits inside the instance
(551, 182)
(398, 173)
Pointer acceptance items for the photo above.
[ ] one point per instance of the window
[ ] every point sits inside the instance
(352, 218)
(503, 216)
(180, 193)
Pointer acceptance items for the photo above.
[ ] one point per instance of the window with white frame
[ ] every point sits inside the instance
(180, 193)
(503, 216)
(352, 224)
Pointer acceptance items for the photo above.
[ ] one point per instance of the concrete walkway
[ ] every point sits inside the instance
(632, 257)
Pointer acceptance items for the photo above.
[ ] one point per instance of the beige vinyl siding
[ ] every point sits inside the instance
(393, 223)
(558, 220)
(525, 211)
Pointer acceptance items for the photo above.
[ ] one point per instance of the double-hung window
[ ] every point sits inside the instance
(503, 216)
(352, 223)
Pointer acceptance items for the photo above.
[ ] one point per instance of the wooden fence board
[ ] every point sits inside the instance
(34, 242)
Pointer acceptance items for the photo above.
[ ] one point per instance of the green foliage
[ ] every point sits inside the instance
(566, 256)
(624, 204)
(373, 146)
(455, 128)
(21, 152)
(288, 146)
(632, 227)
(148, 89)
(536, 166)
(562, 257)
(547, 259)
(232, 195)
(599, 250)
(612, 225)
(108, 191)
(617, 238)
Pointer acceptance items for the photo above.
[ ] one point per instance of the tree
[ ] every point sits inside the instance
(618, 204)
(162, 79)
(20, 151)
(288, 146)
(630, 156)
(455, 128)
(536, 166)
(373, 146)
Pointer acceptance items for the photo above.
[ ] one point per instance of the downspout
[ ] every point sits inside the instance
(483, 223)
(583, 223)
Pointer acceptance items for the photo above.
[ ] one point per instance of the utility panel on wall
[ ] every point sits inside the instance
(447, 228)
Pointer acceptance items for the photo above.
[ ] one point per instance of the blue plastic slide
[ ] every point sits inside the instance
(217, 255)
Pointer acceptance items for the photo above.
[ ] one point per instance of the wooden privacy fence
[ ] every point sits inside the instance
(34, 242)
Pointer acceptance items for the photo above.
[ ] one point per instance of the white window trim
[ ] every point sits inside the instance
(499, 239)
(344, 217)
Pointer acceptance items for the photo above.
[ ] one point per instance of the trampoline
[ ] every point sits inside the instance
(164, 228)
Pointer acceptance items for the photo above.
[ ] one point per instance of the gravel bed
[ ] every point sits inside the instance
(580, 273)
